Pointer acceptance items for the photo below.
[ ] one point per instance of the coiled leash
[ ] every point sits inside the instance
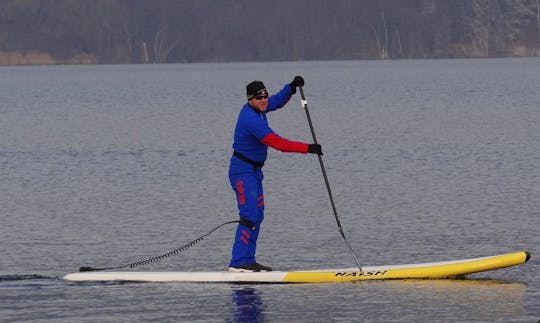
(188, 245)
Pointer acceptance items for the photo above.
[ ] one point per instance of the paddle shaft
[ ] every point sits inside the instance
(304, 104)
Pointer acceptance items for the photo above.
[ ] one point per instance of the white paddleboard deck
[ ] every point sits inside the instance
(431, 270)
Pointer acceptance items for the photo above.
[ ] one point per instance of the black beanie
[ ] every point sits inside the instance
(255, 88)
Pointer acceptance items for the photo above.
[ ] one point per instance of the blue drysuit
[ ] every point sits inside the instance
(252, 136)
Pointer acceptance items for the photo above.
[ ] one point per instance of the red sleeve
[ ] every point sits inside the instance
(283, 144)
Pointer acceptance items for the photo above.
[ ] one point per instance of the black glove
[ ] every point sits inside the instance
(315, 149)
(298, 81)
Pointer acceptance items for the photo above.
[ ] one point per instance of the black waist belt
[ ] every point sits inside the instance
(247, 160)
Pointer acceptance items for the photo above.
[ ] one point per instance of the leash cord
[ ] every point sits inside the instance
(160, 257)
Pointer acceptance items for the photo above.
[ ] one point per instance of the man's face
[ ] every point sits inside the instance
(260, 101)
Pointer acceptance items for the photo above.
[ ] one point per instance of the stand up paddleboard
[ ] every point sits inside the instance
(433, 270)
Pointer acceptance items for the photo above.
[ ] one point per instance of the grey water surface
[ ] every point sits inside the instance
(428, 160)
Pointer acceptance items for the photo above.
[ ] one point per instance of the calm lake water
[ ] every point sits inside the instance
(429, 160)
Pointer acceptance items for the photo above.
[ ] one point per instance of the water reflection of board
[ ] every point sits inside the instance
(432, 270)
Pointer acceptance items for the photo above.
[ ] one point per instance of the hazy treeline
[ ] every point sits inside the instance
(143, 31)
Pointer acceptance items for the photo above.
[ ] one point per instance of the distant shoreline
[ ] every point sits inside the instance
(36, 58)
(39, 58)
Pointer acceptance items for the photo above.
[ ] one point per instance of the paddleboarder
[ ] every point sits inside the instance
(252, 137)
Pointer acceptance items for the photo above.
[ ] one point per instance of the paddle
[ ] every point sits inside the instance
(304, 105)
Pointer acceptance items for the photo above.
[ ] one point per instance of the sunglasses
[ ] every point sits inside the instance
(260, 97)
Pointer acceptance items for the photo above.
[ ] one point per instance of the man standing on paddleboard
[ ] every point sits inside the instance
(252, 136)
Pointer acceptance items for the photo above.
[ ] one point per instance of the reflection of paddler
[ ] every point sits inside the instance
(248, 306)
